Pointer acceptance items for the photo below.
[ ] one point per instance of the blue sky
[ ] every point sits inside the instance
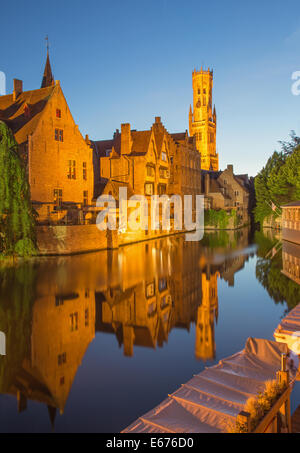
(128, 61)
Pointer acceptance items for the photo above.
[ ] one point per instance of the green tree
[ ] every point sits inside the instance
(279, 181)
(284, 185)
(17, 218)
(288, 147)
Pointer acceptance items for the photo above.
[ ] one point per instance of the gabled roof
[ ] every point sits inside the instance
(23, 114)
(143, 337)
(159, 134)
(212, 174)
(242, 180)
(183, 138)
(116, 185)
(140, 144)
(113, 185)
(178, 136)
(102, 146)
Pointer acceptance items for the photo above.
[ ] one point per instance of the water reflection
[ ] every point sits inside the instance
(291, 261)
(52, 308)
(277, 267)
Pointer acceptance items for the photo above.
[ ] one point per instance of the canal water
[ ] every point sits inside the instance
(94, 341)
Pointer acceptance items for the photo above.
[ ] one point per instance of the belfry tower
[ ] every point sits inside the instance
(203, 120)
(205, 347)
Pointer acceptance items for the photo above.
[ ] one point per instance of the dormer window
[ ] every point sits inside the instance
(164, 156)
(26, 111)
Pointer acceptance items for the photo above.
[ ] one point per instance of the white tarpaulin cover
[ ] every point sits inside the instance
(212, 399)
(288, 331)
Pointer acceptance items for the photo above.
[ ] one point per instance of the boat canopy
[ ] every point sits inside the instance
(212, 399)
(288, 330)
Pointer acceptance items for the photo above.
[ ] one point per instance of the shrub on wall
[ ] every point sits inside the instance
(259, 406)
(220, 218)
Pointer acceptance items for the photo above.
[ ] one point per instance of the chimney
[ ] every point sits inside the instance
(117, 133)
(18, 88)
(207, 183)
(230, 168)
(125, 139)
(157, 119)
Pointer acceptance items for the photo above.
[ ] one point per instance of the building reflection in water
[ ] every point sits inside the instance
(138, 293)
(291, 261)
(277, 267)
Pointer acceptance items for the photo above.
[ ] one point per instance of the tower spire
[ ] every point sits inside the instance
(215, 115)
(48, 78)
(52, 415)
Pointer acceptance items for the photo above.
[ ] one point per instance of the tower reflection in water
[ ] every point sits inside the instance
(51, 308)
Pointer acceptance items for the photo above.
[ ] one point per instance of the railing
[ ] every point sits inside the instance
(278, 418)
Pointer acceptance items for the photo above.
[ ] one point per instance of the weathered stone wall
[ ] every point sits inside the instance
(64, 240)
(71, 239)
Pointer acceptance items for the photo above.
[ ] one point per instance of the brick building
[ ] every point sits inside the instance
(152, 162)
(291, 222)
(137, 158)
(58, 159)
(185, 172)
(225, 190)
